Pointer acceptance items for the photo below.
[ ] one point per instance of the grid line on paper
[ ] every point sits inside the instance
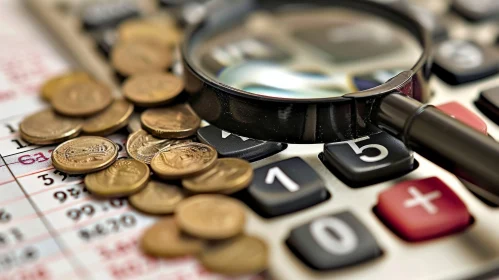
(78, 268)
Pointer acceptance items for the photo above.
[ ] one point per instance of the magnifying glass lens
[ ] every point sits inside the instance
(307, 53)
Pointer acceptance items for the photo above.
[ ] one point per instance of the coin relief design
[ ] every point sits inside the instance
(142, 146)
(47, 127)
(152, 89)
(130, 58)
(157, 198)
(227, 176)
(110, 120)
(241, 255)
(211, 216)
(81, 99)
(123, 177)
(84, 154)
(177, 121)
(184, 160)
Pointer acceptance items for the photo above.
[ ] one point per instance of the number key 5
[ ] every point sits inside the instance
(368, 160)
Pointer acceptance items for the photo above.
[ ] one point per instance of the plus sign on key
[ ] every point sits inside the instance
(422, 209)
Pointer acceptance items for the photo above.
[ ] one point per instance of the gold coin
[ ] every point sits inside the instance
(47, 127)
(142, 146)
(123, 177)
(152, 89)
(237, 256)
(178, 121)
(50, 87)
(134, 124)
(82, 98)
(130, 58)
(110, 120)
(210, 216)
(155, 32)
(227, 176)
(84, 155)
(164, 239)
(157, 198)
(184, 160)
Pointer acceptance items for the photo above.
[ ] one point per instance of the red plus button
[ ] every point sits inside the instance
(422, 209)
(461, 113)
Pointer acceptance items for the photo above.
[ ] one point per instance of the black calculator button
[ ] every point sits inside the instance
(477, 10)
(334, 241)
(284, 187)
(231, 145)
(458, 62)
(101, 14)
(488, 103)
(369, 159)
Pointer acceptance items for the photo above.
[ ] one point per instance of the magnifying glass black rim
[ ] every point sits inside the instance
(313, 120)
(392, 12)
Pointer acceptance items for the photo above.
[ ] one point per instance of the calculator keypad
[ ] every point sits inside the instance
(284, 187)
(461, 113)
(422, 209)
(369, 159)
(333, 241)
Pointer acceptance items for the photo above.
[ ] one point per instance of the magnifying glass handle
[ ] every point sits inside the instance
(442, 139)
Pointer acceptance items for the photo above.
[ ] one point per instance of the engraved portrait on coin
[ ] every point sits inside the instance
(142, 146)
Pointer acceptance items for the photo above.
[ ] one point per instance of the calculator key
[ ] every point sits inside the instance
(231, 145)
(422, 209)
(477, 10)
(458, 62)
(284, 187)
(101, 14)
(333, 241)
(488, 103)
(458, 111)
(369, 159)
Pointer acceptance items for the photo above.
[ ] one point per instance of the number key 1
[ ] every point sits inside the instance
(368, 160)
(284, 187)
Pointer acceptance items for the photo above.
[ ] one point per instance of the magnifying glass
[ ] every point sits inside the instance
(325, 71)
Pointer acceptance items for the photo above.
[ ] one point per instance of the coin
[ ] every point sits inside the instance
(210, 216)
(152, 89)
(228, 175)
(178, 121)
(82, 98)
(134, 124)
(157, 198)
(184, 160)
(164, 239)
(47, 127)
(142, 146)
(123, 177)
(110, 120)
(237, 256)
(155, 32)
(130, 58)
(84, 155)
(51, 86)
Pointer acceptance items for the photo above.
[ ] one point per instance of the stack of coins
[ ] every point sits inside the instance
(189, 182)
